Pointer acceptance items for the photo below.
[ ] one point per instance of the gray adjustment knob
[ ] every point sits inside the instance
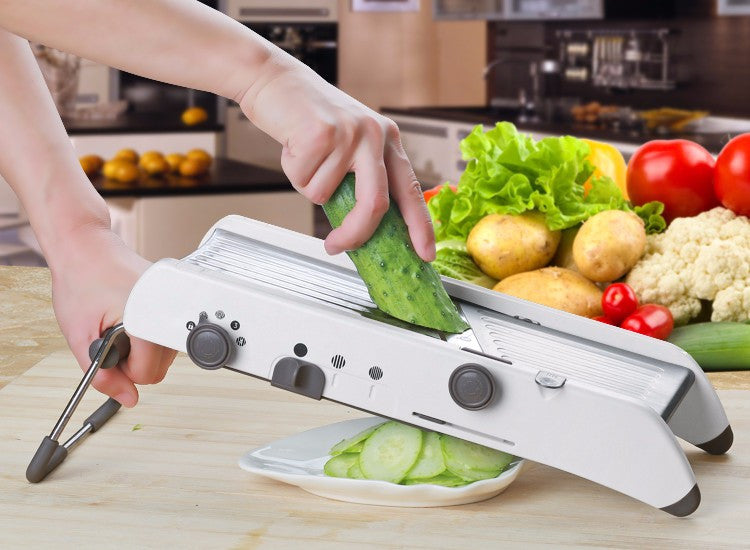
(472, 387)
(209, 346)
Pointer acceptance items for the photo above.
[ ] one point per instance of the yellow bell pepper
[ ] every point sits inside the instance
(608, 162)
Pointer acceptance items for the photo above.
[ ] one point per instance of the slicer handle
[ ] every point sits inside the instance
(120, 350)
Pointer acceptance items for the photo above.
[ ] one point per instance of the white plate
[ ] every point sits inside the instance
(299, 459)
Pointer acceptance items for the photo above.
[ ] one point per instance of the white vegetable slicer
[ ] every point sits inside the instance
(594, 400)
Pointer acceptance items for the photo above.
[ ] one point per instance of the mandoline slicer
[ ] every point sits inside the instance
(594, 400)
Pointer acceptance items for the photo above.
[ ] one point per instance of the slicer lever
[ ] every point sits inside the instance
(105, 353)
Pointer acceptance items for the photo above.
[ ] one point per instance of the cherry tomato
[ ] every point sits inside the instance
(435, 190)
(619, 301)
(652, 320)
(677, 172)
(732, 176)
(604, 319)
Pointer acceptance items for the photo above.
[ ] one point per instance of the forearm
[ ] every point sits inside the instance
(182, 42)
(36, 156)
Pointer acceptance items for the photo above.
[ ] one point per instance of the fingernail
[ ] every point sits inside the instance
(126, 399)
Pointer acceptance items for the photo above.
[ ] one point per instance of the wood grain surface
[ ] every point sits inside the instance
(175, 482)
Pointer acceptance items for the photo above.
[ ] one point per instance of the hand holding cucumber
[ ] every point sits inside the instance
(326, 134)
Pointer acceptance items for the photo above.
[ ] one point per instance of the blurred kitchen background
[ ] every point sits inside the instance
(611, 70)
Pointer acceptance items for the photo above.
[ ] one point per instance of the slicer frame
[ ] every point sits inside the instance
(610, 436)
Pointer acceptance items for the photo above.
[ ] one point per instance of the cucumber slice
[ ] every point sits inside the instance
(444, 479)
(355, 472)
(471, 461)
(399, 281)
(338, 466)
(390, 452)
(350, 445)
(430, 462)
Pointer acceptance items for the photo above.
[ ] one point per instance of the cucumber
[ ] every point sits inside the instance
(390, 452)
(338, 466)
(471, 461)
(715, 346)
(355, 472)
(352, 444)
(430, 462)
(398, 280)
(445, 479)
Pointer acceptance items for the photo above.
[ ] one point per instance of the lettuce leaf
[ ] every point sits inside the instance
(510, 173)
(453, 260)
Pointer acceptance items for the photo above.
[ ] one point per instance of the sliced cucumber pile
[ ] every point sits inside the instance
(407, 455)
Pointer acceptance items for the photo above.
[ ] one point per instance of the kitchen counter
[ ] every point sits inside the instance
(165, 473)
(225, 176)
(489, 116)
(29, 332)
(135, 123)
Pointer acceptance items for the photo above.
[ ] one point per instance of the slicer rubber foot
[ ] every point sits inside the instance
(686, 505)
(719, 444)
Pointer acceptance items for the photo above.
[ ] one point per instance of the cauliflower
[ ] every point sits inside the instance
(706, 257)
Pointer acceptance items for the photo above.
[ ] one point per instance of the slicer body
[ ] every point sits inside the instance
(568, 392)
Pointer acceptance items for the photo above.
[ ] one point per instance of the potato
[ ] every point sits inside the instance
(609, 244)
(503, 245)
(555, 287)
(564, 255)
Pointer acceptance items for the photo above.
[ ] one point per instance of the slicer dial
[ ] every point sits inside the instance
(209, 346)
(472, 387)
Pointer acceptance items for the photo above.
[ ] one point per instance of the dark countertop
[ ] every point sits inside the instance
(487, 115)
(138, 123)
(225, 176)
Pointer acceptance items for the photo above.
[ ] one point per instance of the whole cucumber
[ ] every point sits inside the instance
(398, 280)
(715, 346)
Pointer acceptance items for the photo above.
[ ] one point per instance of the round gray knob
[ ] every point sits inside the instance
(472, 387)
(209, 346)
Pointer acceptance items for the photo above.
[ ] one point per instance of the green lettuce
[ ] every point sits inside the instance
(453, 260)
(511, 173)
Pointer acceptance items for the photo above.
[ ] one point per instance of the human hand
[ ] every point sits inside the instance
(325, 134)
(91, 281)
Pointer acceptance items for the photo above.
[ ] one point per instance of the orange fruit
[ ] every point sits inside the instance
(174, 160)
(193, 168)
(154, 166)
(127, 154)
(91, 164)
(110, 168)
(127, 172)
(199, 155)
(149, 155)
(194, 116)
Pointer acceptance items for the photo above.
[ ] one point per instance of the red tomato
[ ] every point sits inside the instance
(605, 320)
(619, 301)
(732, 176)
(652, 320)
(677, 172)
(435, 190)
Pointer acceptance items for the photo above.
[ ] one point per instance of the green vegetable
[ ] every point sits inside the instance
(399, 282)
(339, 465)
(430, 462)
(651, 214)
(407, 455)
(510, 173)
(390, 452)
(349, 445)
(453, 260)
(715, 346)
(473, 462)
(136, 428)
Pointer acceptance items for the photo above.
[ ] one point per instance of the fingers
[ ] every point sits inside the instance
(147, 362)
(371, 194)
(114, 383)
(407, 192)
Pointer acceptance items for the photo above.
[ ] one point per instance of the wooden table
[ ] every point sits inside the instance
(175, 482)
